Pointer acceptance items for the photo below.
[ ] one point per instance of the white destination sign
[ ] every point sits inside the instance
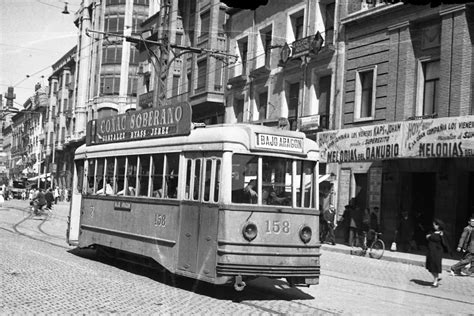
(276, 142)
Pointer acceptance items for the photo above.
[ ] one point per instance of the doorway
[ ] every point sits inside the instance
(423, 197)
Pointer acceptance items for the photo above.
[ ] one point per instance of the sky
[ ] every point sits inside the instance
(34, 34)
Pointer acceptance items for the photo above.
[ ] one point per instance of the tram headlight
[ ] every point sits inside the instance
(306, 234)
(249, 231)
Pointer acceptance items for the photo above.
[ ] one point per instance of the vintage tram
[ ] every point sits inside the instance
(221, 204)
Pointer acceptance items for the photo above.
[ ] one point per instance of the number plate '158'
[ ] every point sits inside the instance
(277, 227)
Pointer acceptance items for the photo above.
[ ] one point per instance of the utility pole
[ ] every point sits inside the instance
(163, 54)
(161, 49)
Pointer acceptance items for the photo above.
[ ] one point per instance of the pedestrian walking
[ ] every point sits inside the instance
(437, 245)
(465, 245)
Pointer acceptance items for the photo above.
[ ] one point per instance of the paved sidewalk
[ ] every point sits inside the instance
(394, 256)
(62, 209)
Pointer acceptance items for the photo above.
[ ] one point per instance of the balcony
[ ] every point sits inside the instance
(366, 8)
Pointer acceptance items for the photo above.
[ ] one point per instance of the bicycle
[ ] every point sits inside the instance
(360, 247)
(36, 210)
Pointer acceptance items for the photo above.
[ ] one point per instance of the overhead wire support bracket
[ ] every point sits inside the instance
(138, 40)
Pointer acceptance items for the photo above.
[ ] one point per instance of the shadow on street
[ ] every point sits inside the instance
(273, 289)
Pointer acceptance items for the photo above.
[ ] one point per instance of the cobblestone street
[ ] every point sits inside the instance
(42, 274)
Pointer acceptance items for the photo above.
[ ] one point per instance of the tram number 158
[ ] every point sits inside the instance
(160, 220)
(276, 227)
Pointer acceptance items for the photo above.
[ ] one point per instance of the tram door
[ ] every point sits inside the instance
(75, 206)
(188, 237)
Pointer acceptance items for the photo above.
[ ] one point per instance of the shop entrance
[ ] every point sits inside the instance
(423, 198)
(361, 190)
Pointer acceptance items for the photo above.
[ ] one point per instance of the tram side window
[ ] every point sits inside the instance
(109, 174)
(157, 176)
(80, 175)
(211, 180)
(217, 181)
(276, 182)
(193, 178)
(207, 179)
(131, 180)
(171, 176)
(305, 183)
(143, 173)
(120, 176)
(90, 175)
(244, 172)
(99, 176)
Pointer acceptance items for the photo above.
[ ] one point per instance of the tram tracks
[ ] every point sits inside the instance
(50, 238)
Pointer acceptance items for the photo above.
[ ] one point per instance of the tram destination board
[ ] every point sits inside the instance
(165, 121)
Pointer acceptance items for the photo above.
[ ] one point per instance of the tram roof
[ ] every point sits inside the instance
(235, 137)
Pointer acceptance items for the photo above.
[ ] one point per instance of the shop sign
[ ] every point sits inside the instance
(365, 143)
(145, 100)
(165, 121)
(308, 123)
(447, 137)
(279, 143)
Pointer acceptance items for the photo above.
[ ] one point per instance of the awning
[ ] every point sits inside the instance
(447, 137)
(323, 177)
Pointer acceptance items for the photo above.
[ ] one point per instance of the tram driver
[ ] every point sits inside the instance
(269, 195)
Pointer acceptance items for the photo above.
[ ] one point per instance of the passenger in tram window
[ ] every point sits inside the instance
(270, 197)
(108, 188)
(172, 185)
(251, 191)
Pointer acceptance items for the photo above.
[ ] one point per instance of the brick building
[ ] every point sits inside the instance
(408, 80)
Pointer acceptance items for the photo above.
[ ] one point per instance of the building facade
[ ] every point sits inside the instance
(186, 70)
(28, 138)
(60, 141)
(405, 124)
(286, 69)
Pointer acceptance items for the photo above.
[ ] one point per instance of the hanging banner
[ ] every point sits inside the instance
(447, 137)
(365, 143)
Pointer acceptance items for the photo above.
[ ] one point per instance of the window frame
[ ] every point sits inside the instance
(421, 83)
(358, 95)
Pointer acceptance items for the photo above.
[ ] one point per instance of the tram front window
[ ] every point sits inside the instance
(277, 185)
